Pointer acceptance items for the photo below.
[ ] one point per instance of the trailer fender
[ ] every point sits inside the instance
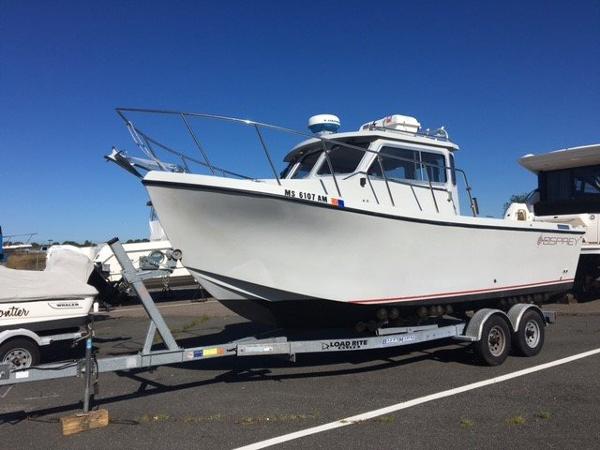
(515, 314)
(20, 332)
(474, 328)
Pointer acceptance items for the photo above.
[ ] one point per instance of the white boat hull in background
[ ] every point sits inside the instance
(179, 277)
(244, 240)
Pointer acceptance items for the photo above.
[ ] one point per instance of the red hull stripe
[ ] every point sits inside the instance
(450, 294)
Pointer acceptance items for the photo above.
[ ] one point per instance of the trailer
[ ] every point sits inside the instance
(493, 333)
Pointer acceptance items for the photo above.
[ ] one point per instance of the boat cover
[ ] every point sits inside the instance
(65, 277)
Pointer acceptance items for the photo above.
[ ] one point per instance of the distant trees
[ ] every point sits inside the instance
(136, 241)
(86, 243)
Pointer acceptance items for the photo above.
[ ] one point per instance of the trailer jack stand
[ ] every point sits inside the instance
(87, 420)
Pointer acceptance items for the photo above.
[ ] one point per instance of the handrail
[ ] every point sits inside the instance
(437, 137)
(331, 171)
(185, 157)
(387, 184)
(145, 146)
(187, 125)
(431, 188)
(264, 146)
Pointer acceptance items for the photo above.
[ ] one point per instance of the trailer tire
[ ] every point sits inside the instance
(20, 353)
(529, 338)
(494, 345)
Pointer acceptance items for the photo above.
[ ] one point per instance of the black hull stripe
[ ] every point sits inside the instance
(235, 191)
(48, 325)
(46, 300)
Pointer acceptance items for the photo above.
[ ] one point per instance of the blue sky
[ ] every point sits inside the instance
(505, 78)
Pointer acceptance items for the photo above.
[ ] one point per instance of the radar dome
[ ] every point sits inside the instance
(323, 124)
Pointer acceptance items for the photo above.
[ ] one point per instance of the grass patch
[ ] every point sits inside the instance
(281, 418)
(385, 419)
(185, 328)
(545, 415)
(155, 418)
(466, 423)
(516, 420)
(27, 261)
(203, 419)
(192, 324)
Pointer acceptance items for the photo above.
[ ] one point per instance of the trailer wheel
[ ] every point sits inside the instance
(494, 345)
(20, 353)
(529, 338)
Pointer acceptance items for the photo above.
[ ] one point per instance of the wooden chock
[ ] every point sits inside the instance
(77, 423)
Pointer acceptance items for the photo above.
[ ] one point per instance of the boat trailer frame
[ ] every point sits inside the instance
(469, 331)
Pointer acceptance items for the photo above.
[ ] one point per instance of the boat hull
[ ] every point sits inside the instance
(244, 240)
(45, 315)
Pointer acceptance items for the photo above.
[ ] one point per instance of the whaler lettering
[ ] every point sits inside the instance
(14, 312)
(67, 305)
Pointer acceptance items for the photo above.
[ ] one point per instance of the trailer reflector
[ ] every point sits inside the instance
(208, 352)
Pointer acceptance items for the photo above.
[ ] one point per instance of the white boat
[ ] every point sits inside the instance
(8, 246)
(148, 255)
(380, 237)
(568, 191)
(55, 298)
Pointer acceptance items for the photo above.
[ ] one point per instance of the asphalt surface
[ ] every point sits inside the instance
(230, 402)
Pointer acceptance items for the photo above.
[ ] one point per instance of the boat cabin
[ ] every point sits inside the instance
(388, 161)
(568, 181)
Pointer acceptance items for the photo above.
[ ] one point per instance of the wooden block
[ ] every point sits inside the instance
(77, 423)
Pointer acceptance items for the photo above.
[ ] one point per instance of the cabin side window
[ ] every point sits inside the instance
(433, 167)
(569, 191)
(586, 181)
(404, 164)
(580, 182)
(397, 163)
(452, 168)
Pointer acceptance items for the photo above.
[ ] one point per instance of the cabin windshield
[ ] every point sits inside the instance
(344, 160)
(306, 165)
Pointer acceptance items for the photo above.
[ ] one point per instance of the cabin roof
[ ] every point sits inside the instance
(371, 135)
(566, 158)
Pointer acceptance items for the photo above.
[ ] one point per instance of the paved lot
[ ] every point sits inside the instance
(231, 402)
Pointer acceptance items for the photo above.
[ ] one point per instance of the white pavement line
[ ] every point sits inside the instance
(7, 391)
(417, 401)
(42, 397)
